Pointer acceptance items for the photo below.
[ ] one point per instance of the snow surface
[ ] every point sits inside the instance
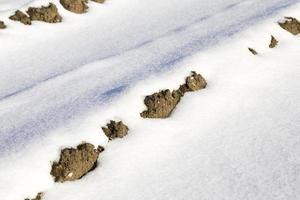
(124, 40)
(237, 139)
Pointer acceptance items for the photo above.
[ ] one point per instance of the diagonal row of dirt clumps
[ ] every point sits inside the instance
(77, 6)
(290, 24)
(49, 14)
(74, 163)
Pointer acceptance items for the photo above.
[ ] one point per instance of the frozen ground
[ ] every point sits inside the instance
(238, 139)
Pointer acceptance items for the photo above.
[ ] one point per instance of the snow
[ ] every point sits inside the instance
(62, 57)
(237, 139)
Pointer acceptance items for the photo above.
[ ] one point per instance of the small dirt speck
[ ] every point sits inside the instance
(253, 51)
(2, 25)
(115, 130)
(273, 42)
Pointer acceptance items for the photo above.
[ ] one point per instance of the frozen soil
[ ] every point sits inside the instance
(291, 25)
(21, 17)
(75, 163)
(115, 130)
(39, 196)
(161, 104)
(193, 83)
(253, 51)
(2, 25)
(45, 13)
(75, 6)
(273, 42)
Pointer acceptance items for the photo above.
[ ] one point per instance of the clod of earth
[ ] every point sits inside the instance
(99, 1)
(21, 17)
(291, 25)
(115, 130)
(39, 196)
(193, 82)
(161, 104)
(253, 51)
(75, 163)
(2, 25)
(47, 14)
(273, 43)
(75, 6)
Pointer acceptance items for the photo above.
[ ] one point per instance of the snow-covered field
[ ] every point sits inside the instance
(237, 139)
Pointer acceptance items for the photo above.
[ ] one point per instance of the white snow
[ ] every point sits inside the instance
(237, 139)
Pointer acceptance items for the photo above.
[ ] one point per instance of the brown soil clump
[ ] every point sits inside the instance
(99, 1)
(75, 6)
(291, 25)
(115, 130)
(75, 163)
(47, 14)
(2, 25)
(193, 83)
(253, 51)
(161, 104)
(21, 17)
(273, 43)
(39, 196)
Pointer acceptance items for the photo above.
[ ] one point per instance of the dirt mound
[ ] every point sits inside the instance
(161, 104)
(99, 1)
(39, 196)
(291, 25)
(75, 163)
(2, 25)
(47, 14)
(253, 51)
(115, 130)
(274, 42)
(21, 17)
(75, 6)
(193, 82)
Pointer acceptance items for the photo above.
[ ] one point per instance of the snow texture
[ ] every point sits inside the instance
(237, 139)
